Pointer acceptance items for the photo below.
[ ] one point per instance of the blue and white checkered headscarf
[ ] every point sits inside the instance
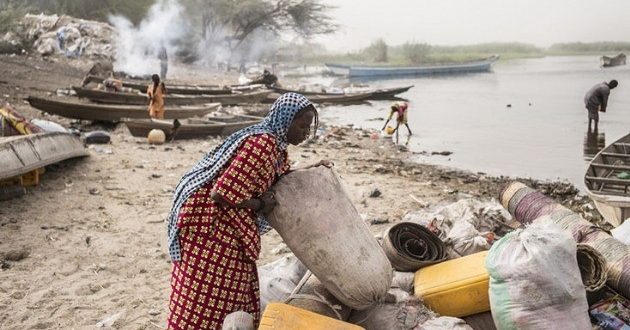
(276, 123)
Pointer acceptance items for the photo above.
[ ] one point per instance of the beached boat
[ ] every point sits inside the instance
(329, 98)
(607, 180)
(608, 61)
(24, 153)
(192, 128)
(377, 94)
(189, 89)
(73, 108)
(101, 96)
(384, 71)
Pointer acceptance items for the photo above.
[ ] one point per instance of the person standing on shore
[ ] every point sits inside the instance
(596, 100)
(400, 109)
(217, 217)
(163, 56)
(155, 93)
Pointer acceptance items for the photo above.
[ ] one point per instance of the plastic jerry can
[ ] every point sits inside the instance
(457, 287)
(286, 317)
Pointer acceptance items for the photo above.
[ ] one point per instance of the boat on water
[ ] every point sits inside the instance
(234, 98)
(192, 128)
(608, 61)
(481, 65)
(377, 94)
(328, 98)
(24, 153)
(106, 112)
(188, 89)
(607, 180)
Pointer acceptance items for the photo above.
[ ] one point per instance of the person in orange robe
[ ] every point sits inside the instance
(156, 92)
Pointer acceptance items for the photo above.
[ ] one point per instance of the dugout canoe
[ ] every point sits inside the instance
(328, 98)
(24, 153)
(365, 71)
(608, 61)
(192, 128)
(607, 181)
(114, 113)
(184, 89)
(101, 96)
(377, 94)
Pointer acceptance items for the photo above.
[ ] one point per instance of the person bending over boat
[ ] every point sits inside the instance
(596, 99)
(400, 109)
(155, 93)
(216, 220)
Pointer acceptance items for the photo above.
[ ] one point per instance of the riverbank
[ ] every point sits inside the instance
(88, 244)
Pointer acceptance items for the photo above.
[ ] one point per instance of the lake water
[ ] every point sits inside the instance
(542, 134)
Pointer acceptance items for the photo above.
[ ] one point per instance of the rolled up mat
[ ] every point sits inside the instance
(616, 254)
(410, 246)
(311, 295)
(508, 192)
(593, 267)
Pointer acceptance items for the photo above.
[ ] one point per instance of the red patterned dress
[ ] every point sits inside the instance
(217, 273)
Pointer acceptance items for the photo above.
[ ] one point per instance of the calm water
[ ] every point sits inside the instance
(543, 134)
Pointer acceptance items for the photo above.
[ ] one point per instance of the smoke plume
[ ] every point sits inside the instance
(137, 47)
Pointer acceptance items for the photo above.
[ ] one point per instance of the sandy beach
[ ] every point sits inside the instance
(86, 247)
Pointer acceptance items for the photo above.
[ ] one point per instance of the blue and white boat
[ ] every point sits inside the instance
(482, 65)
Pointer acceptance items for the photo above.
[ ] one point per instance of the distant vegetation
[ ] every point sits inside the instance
(414, 52)
(590, 47)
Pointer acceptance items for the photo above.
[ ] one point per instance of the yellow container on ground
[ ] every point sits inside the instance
(286, 317)
(457, 287)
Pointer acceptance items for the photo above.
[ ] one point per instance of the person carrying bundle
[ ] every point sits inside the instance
(400, 109)
(216, 220)
(155, 93)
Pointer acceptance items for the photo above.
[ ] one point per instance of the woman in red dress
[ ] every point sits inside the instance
(215, 223)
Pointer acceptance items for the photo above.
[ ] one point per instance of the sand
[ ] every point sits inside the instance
(86, 248)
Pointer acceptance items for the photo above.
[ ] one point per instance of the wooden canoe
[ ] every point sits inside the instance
(607, 180)
(330, 98)
(101, 96)
(114, 113)
(192, 128)
(377, 94)
(481, 65)
(189, 89)
(25, 153)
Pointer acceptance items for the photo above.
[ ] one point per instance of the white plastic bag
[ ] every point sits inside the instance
(535, 280)
(277, 279)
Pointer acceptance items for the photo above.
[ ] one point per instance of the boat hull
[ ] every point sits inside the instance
(607, 184)
(189, 129)
(113, 113)
(105, 97)
(376, 71)
(25, 153)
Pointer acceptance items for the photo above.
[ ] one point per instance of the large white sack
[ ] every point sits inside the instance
(535, 280)
(319, 223)
(278, 279)
(622, 233)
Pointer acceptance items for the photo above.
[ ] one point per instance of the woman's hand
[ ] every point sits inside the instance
(267, 202)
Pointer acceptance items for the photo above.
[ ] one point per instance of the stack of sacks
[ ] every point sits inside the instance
(467, 226)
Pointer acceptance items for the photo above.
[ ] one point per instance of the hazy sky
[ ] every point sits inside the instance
(448, 22)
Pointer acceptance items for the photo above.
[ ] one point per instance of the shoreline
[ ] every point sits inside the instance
(88, 244)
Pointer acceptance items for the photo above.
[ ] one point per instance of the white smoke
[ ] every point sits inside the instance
(166, 24)
(137, 47)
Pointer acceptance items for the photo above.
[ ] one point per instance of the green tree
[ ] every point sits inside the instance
(376, 51)
(415, 52)
(233, 21)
